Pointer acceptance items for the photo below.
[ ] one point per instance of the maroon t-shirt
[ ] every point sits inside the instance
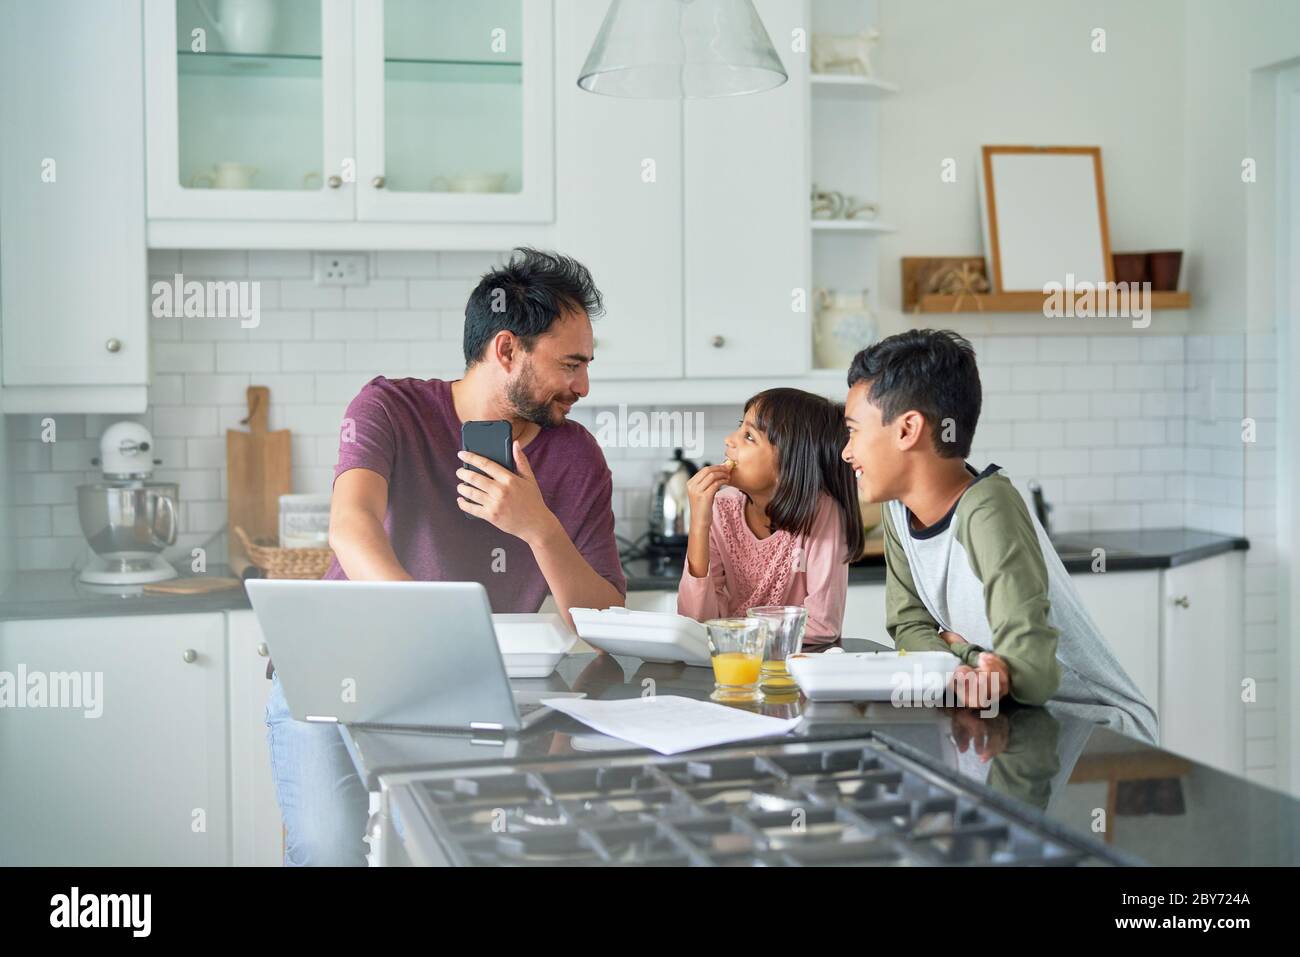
(407, 431)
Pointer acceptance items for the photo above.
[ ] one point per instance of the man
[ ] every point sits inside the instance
(968, 569)
(406, 506)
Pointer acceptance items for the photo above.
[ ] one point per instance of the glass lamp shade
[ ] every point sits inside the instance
(681, 49)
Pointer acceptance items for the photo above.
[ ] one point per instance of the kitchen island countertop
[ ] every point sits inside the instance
(1059, 766)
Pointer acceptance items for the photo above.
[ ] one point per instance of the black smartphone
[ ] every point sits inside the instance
(491, 439)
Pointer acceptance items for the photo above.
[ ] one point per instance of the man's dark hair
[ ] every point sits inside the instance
(525, 296)
(932, 371)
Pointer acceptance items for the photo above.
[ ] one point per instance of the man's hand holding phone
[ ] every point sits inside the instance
(512, 501)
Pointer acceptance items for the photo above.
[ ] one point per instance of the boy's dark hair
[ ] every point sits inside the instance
(525, 296)
(809, 434)
(932, 371)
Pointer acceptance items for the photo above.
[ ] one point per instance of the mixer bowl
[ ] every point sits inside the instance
(135, 520)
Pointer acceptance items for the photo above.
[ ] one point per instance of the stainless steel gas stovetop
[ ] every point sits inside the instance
(790, 804)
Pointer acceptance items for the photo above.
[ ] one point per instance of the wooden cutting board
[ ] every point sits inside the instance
(258, 472)
(199, 585)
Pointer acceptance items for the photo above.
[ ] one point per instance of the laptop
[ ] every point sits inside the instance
(402, 655)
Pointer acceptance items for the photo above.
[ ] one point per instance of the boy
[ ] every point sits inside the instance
(968, 569)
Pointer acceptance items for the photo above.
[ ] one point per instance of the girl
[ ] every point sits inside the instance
(785, 530)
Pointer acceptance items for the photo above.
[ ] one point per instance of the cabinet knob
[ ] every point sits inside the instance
(717, 342)
(335, 181)
(378, 182)
(113, 345)
(1182, 601)
(190, 656)
(262, 649)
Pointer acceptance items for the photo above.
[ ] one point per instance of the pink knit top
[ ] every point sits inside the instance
(782, 569)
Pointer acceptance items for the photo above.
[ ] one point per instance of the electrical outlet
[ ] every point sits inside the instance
(340, 269)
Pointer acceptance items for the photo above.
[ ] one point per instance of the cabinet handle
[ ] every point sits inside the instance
(113, 345)
(262, 649)
(1182, 601)
(378, 182)
(335, 181)
(190, 656)
(717, 342)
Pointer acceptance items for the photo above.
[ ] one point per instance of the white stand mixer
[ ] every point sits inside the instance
(127, 520)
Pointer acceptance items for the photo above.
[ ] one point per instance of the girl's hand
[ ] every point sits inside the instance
(700, 492)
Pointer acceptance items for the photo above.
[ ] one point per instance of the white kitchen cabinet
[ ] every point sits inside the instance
(748, 265)
(350, 111)
(255, 822)
(240, 135)
(455, 111)
(619, 207)
(1202, 661)
(72, 234)
(1126, 609)
(144, 782)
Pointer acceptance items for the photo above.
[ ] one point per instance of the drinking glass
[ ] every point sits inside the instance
(736, 646)
(785, 627)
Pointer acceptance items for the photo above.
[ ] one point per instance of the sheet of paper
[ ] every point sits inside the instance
(671, 724)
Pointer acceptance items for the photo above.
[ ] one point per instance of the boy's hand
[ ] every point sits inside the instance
(980, 686)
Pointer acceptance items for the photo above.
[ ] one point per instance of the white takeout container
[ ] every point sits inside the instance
(532, 645)
(868, 675)
(654, 636)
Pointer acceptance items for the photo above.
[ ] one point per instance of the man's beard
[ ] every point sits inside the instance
(519, 393)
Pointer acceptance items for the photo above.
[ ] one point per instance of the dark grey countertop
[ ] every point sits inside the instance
(1058, 764)
(58, 594)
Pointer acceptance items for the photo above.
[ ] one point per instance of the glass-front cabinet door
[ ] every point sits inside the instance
(250, 108)
(454, 110)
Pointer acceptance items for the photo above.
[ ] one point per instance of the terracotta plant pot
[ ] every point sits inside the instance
(1131, 267)
(1164, 270)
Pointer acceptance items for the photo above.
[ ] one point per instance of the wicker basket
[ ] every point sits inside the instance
(279, 562)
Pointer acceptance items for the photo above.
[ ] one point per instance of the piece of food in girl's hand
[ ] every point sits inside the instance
(729, 463)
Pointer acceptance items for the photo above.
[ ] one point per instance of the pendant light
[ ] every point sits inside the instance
(681, 49)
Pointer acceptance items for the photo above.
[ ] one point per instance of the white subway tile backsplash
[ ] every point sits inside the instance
(406, 264)
(185, 421)
(279, 264)
(376, 294)
(305, 294)
(282, 325)
(250, 356)
(204, 389)
(1090, 378)
(345, 324)
(183, 357)
(467, 264)
(408, 324)
(213, 263)
(439, 293)
(312, 357)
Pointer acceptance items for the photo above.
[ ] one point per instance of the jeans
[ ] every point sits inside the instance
(322, 800)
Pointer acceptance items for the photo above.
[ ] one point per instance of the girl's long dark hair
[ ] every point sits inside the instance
(809, 434)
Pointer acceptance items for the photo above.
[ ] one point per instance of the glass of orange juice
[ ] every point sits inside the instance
(785, 627)
(736, 646)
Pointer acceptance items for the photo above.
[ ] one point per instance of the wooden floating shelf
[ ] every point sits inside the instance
(1034, 301)
(851, 226)
(851, 85)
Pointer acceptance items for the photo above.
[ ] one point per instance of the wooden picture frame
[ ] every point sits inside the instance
(1051, 223)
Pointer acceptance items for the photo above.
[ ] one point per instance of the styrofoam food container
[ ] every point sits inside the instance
(865, 676)
(654, 636)
(532, 645)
